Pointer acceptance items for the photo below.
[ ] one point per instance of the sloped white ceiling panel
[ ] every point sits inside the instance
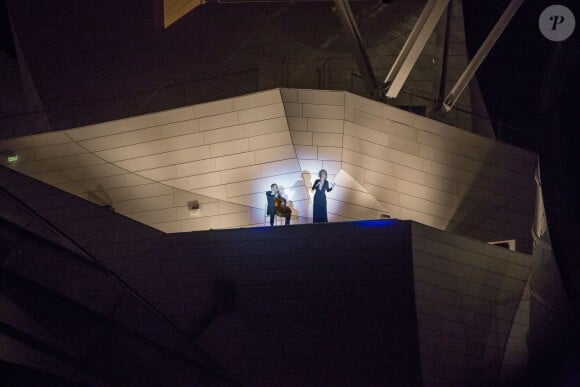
(225, 154)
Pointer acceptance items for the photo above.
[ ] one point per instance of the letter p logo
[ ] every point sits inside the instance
(556, 20)
(557, 23)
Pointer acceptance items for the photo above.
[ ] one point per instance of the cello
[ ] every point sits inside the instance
(280, 205)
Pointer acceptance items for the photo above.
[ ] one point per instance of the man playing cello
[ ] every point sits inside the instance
(277, 205)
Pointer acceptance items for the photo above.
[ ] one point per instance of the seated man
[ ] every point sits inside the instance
(277, 205)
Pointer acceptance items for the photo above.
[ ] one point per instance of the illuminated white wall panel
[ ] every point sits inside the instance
(225, 154)
(437, 174)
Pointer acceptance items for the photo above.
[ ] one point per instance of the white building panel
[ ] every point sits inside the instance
(102, 170)
(230, 147)
(93, 131)
(218, 121)
(185, 141)
(138, 150)
(293, 109)
(175, 115)
(137, 122)
(297, 123)
(196, 182)
(235, 161)
(352, 157)
(279, 168)
(274, 154)
(240, 174)
(301, 138)
(58, 150)
(229, 152)
(323, 111)
(270, 140)
(327, 139)
(213, 108)
(325, 125)
(259, 128)
(311, 166)
(378, 165)
(195, 168)
(261, 113)
(306, 152)
(257, 99)
(329, 153)
(224, 134)
(318, 96)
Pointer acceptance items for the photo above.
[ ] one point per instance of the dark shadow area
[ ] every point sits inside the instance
(493, 208)
(556, 362)
(14, 375)
(223, 301)
(104, 234)
(71, 316)
(6, 38)
(512, 74)
(329, 304)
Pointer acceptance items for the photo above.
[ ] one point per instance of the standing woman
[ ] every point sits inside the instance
(321, 187)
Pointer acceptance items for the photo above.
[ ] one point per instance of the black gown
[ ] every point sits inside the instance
(319, 210)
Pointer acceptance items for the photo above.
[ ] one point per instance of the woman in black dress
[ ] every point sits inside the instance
(321, 187)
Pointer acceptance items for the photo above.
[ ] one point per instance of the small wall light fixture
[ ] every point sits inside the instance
(193, 205)
(10, 157)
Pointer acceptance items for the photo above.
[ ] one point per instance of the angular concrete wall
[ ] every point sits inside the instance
(439, 175)
(327, 304)
(410, 167)
(74, 317)
(225, 154)
(472, 304)
(114, 239)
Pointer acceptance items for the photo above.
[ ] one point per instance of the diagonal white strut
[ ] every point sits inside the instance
(415, 43)
(481, 54)
(348, 21)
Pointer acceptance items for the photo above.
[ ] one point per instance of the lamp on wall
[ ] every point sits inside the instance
(193, 205)
(9, 156)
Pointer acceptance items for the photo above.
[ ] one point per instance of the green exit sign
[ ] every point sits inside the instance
(12, 158)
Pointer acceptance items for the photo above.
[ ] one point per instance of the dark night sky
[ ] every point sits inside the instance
(512, 75)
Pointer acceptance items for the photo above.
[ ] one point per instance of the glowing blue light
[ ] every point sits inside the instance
(375, 222)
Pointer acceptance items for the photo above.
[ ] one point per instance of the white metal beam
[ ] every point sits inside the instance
(481, 54)
(412, 48)
(364, 65)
